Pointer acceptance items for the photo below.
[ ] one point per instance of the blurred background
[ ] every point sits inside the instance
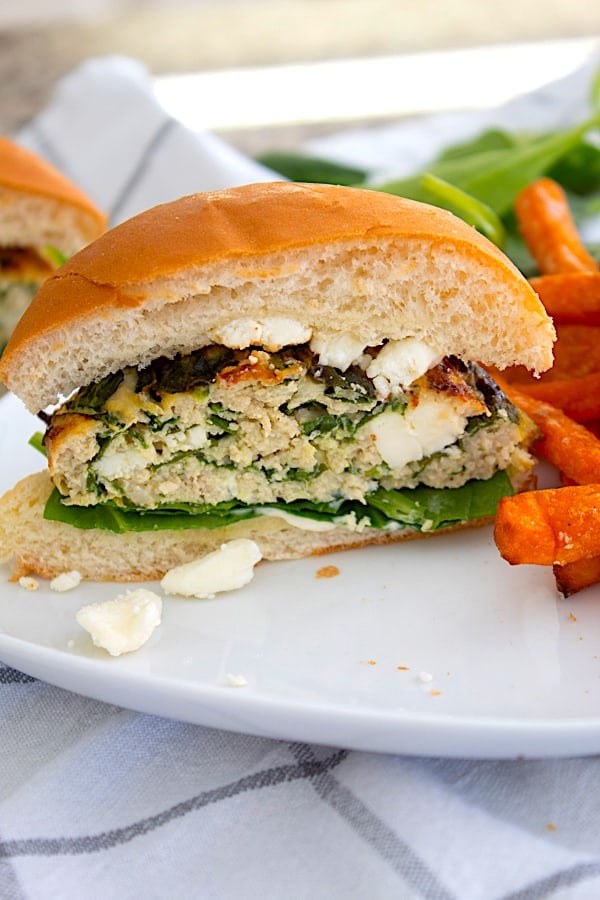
(40, 40)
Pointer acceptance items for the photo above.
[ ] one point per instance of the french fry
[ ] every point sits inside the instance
(559, 527)
(571, 298)
(578, 398)
(594, 427)
(569, 446)
(548, 229)
(576, 353)
(551, 527)
(576, 576)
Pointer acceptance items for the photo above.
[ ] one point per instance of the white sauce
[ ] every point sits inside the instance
(297, 521)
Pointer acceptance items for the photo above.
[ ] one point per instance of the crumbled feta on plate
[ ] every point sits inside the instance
(226, 569)
(123, 624)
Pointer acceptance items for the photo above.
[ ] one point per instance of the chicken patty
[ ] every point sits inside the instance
(254, 427)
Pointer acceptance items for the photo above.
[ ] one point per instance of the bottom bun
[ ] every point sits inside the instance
(48, 548)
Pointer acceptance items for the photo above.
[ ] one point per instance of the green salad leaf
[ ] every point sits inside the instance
(312, 169)
(54, 256)
(479, 178)
(37, 442)
(495, 177)
(421, 508)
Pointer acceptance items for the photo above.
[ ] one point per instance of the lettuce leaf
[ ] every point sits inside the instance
(422, 508)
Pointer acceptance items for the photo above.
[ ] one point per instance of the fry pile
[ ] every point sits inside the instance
(559, 527)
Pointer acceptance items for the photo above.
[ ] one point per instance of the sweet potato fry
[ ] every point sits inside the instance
(578, 398)
(569, 446)
(551, 527)
(594, 427)
(576, 576)
(576, 353)
(571, 298)
(548, 229)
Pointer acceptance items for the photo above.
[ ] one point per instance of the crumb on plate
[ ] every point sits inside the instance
(30, 584)
(66, 581)
(328, 572)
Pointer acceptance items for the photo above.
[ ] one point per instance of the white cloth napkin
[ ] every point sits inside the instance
(100, 802)
(106, 131)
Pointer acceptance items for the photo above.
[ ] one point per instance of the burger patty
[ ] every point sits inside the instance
(257, 427)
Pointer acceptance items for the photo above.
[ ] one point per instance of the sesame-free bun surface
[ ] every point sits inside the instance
(337, 260)
(40, 207)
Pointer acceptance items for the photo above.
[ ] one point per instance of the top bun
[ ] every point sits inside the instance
(335, 260)
(39, 207)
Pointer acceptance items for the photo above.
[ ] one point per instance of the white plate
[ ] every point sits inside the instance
(516, 671)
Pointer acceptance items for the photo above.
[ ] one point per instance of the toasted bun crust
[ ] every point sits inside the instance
(40, 207)
(48, 548)
(337, 260)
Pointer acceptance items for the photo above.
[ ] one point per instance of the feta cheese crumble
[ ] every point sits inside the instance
(66, 581)
(272, 332)
(399, 363)
(30, 584)
(226, 569)
(236, 680)
(339, 350)
(403, 437)
(123, 624)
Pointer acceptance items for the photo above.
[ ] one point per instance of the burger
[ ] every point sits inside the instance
(44, 219)
(301, 365)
